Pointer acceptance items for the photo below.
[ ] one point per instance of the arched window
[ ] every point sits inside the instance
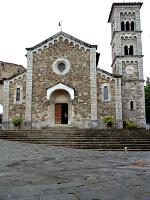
(132, 26)
(122, 26)
(126, 50)
(127, 26)
(105, 93)
(131, 105)
(131, 50)
(18, 94)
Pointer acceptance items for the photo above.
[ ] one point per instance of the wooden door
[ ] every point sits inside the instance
(58, 113)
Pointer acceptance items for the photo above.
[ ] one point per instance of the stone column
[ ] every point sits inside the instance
(118, 95)
(140, 68)
(28, 110)
(6, 104)
(93, 84)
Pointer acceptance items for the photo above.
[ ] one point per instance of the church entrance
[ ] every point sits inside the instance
(61, 113)
(60, 108)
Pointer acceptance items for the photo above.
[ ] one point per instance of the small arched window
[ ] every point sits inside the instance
(131, 50)
(18, 94)
(105, 93)
(127, 26)
(132, 26)
(122, 26)
(131, 105)
(126, 50)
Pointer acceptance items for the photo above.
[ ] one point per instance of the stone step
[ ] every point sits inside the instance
(102, 146)
(82, 138)
(80, 143)
(78, 139)
(92, 144)
(77, 131)
(74, 135)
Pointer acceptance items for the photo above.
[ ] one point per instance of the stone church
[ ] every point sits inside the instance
(63, 85)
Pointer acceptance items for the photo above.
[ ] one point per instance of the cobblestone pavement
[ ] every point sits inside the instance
(41, 172)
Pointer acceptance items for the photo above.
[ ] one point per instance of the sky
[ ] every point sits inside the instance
(24, 23)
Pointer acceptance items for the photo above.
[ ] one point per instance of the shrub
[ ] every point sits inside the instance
(109, 120)
(130, 125)
(17, 121)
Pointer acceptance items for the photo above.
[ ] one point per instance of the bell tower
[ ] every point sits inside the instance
(127, 59)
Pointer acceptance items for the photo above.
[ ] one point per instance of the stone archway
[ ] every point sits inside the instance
(60, 86)
(60, 109)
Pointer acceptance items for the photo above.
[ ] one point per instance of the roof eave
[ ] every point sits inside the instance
(63, 34)
(123, 4)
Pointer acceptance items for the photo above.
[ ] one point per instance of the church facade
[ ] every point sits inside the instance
(63, 86)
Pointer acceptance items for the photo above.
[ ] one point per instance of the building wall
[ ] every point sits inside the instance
(78, 78)
(8, 70)
(1, 94)
(129, 93)
(106, 108)
(17, 108)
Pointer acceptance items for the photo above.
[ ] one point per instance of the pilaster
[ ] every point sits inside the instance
(118, 103)
(93, 84)
(28, 117)
(6, 104)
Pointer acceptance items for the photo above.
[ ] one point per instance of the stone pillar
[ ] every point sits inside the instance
(5, 120)
(28, 110)
(140, 68)
(93, 85)
(118, 95)
(52, 114)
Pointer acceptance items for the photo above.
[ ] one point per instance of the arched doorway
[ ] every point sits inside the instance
(1, 113)
(60, 107)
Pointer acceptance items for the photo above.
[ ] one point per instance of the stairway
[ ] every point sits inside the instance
(98, 139)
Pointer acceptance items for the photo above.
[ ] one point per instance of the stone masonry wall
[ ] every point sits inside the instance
(105, 108)
(78, 78)
(133, 91)
(8, 70)
(1, 94)
(17, 108)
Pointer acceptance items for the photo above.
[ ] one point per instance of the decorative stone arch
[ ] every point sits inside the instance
(60, 98)
(60, 86)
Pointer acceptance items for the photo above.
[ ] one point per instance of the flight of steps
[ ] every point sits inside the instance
(99, 139)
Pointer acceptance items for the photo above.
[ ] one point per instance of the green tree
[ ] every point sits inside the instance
(147, 100)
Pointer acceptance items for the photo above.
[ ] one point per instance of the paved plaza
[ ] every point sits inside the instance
(42, 172)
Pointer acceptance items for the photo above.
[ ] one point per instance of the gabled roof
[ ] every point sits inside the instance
(123, 4)
(105, 72)
(59, 34)
(9, 70)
